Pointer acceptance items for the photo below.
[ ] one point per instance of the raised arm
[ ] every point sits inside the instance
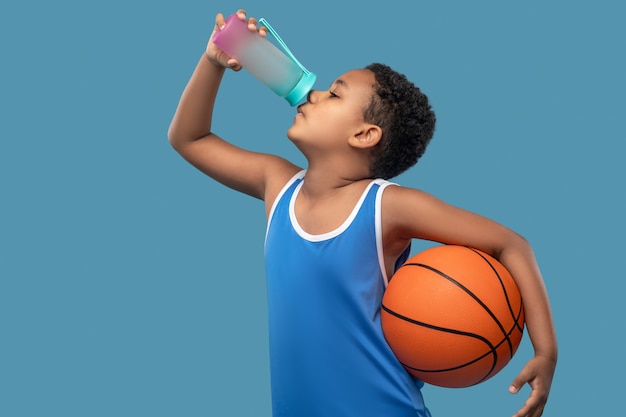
(256, 174)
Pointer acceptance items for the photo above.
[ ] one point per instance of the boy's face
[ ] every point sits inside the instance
(329, 118)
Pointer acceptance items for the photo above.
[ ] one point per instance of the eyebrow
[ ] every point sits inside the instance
(341, 82)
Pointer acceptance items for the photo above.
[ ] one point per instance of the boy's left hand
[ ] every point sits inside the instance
(538, 373)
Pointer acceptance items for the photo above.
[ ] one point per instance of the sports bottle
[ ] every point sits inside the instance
(276, 68)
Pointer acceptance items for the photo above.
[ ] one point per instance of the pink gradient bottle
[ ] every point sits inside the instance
(277, 69)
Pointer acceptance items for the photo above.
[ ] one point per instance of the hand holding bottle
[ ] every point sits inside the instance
(218, 56)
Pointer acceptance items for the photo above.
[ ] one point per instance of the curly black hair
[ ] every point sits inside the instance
(405, 116)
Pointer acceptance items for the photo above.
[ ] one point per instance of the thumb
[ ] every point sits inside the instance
(519, 382)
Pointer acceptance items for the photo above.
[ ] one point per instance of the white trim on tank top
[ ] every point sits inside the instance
(299, 175)
(325, 236)
(379, 229)
(333, 233)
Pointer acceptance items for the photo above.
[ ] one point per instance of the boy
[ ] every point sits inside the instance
(338, 230)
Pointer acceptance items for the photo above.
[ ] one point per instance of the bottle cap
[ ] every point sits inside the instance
(301, 89)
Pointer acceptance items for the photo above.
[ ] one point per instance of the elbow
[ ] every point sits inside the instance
(174, 138)
(515, 245)
(506, 242)
(180, 138)
(521, 243)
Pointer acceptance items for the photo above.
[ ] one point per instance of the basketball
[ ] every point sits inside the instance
(453, 316)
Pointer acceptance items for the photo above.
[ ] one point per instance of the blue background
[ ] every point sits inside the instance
(132, 285)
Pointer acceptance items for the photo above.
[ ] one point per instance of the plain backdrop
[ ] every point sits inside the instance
(131, 285)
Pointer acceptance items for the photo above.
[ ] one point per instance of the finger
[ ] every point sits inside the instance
(233, 64)
(520, 380)
(528, 411)
(538, 412)
(252, 22)
(534, 405)
(220, 22)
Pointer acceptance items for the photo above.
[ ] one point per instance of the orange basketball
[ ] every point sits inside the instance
(453, 316)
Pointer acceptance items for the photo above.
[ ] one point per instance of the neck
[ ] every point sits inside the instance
(327, 177)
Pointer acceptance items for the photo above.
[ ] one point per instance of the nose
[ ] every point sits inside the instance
(311, 96)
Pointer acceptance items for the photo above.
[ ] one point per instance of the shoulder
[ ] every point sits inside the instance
(397, 197)
(404, 207)
(282, 172)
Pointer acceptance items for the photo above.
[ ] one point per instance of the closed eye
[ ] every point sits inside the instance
(332, 94)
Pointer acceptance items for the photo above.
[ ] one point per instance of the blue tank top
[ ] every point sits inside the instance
(328, 355)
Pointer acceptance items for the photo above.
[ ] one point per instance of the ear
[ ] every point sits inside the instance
(368, 137)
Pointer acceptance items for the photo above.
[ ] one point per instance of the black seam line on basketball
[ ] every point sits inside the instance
(492, 349)
(495, 271)
(519, 314)
(506, 294)
(485, 377)
(432, 326)
(471, 294)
